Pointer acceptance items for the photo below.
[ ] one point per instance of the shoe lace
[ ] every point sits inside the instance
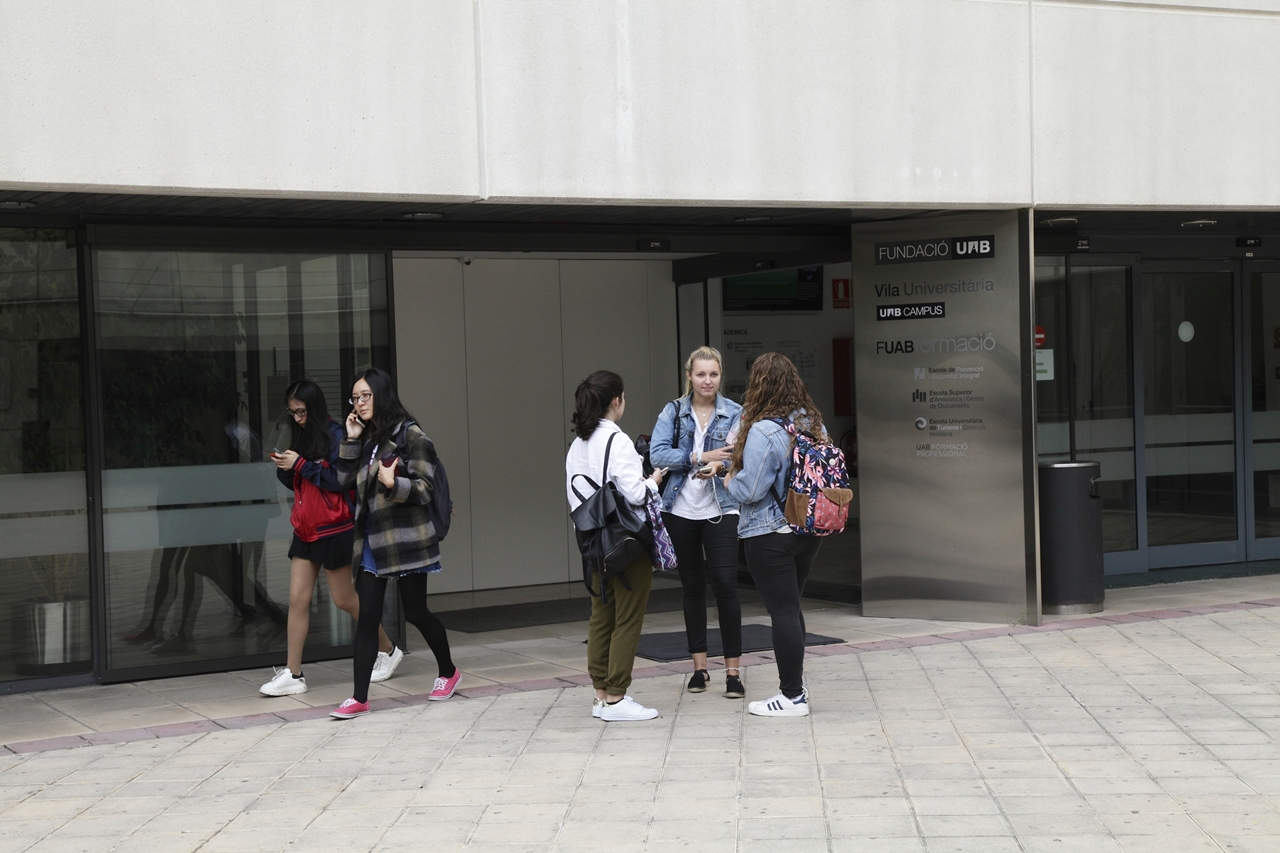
(440, 684)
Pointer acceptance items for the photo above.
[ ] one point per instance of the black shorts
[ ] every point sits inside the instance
(331, 552)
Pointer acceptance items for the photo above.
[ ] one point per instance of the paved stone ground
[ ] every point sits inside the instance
(1158, 734)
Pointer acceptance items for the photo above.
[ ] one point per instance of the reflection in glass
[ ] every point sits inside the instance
(44, 561)
(1084, 389)
(1190, 425)
(196, 351)
(1265, 351)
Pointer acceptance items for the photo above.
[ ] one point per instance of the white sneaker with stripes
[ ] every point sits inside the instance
(781, 706)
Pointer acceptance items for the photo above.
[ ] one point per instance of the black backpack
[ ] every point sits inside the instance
(611, 533)
(440, 510)
(644, 439)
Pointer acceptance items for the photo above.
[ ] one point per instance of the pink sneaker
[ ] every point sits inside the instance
(444, 687)
(348, 709)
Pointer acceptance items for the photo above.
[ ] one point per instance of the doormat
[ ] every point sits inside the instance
(672, 645)
(1194, 573)
(477, 620)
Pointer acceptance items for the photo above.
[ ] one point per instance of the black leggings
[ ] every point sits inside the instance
(708, 550)
(780, 564)
(413, 598)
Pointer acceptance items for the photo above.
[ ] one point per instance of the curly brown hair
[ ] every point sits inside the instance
(775, 390)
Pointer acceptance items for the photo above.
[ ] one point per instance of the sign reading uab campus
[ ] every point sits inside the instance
(945, 444)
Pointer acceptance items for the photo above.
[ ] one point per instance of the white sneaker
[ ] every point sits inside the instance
(284, 684)
(781, 706)
(385, 665)
(597, 705)
(626, 709)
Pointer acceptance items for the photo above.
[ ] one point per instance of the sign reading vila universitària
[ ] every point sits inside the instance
(939, 408)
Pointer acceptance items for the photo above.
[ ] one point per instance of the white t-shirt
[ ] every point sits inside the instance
(697, 498)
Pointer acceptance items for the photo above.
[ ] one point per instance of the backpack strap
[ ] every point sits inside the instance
(790, 426)
(608, 448)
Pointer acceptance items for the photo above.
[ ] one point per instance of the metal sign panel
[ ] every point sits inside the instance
(945, 442)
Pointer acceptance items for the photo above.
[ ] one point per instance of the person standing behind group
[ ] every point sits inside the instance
(617, 613)
(701, 517)
(323, 532)
(778, 559)
(391, 463)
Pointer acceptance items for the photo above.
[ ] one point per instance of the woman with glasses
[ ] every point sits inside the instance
(391, 464)
(323, 534)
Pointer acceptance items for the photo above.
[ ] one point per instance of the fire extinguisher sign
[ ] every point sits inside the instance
(839, 293)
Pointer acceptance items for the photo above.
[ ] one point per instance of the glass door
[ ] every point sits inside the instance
(1262, 290)
(1189, 377)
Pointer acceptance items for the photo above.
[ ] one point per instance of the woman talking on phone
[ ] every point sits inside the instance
(322, 531)
(690, 439)
(391, 463)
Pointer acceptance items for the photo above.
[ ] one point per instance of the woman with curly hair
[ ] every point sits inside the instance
(779, 560)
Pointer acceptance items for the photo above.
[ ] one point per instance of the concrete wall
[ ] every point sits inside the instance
(489, 355)
(983, 103)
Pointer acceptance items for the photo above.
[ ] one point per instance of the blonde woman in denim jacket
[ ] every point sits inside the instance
(778, 559)
(700, 516)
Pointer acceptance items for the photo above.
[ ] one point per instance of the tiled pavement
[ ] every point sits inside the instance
(1141, 732)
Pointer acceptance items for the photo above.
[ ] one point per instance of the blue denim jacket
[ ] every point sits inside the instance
(760, 485)
(676, 459)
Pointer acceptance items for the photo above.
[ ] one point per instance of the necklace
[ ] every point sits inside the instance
(704, 419)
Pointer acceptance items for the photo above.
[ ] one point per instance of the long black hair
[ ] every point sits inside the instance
(592, 400)
(312, 441)
(388, 411)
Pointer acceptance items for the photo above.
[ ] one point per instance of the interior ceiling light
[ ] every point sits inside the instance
(752, 218)
(16, 205)
(1060, 220)
(1199, 223)
(423, 215)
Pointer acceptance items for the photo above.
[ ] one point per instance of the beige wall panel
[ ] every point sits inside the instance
(604, 312)
(431, 344)
(304, 97)
(664, 357)
(1138, 106)
(827, 101)
(515, 400)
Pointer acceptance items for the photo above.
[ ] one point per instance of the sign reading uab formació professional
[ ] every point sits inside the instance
(946, 455)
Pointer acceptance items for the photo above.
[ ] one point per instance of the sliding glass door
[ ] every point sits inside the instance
(196, 350)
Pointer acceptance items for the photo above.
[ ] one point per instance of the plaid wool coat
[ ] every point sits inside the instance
(395, 521)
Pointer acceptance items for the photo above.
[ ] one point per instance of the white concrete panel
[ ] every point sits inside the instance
(297, 97)
(431, 363)
(515, 401)
(877, 101)
(1141, 106)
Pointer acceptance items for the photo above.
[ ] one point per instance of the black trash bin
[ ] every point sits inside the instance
(1071, 574)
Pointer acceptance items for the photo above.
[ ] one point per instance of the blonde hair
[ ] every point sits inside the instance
(701, 354)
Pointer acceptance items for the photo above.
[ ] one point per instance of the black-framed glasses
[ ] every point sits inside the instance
(298, 413)
(363, 398)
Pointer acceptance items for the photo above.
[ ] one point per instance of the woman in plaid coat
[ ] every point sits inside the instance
(391, 464)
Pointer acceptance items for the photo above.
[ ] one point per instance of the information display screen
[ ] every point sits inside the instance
(798, 289)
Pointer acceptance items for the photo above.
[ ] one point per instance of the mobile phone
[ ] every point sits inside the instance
(390, 462)
(278, 439)
(707, 469)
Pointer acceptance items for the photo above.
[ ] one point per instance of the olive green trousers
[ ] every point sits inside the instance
(614, 631)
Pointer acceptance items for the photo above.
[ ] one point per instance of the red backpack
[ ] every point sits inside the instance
(818, 493)
(317, 512)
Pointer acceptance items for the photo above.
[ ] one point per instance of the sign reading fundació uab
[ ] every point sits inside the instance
(942, 435)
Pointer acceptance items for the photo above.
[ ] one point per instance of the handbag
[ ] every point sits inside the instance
(664, 553)
(611, 533)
